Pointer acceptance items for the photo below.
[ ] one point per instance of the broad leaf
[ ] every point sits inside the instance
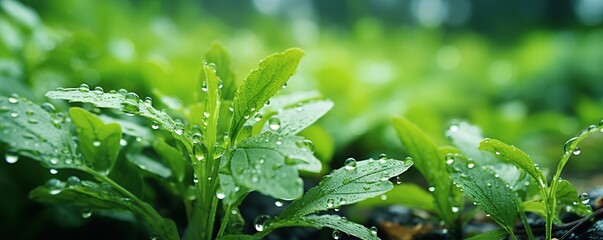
(99, 143)
(233, 192)
(534, 206)
(486, 189)
(149, 165)
(431, 165)
(269, 163)
(260, 85)
(172, 157)
(218, 56)
(337, 223)
(514, 155)
(347, 185)
(92, 195)
(409, 195)
(567, 196)
(31, 131)
(295, 118)
(127, 102)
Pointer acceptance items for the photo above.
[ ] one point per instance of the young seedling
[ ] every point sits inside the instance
(244, 140)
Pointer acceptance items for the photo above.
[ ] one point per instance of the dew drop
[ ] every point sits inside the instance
(373, 230)
(98, 89)
(86, 213)
(11, 158)
(305, 145)
(204, 86)
(567, 147)
(398, 180)
(53, 171)
(260, 222)
(199, 151)
(274, 123)
(258, 116)
(197, 138)
(96, 143)
(285, 85)
(54, 161)
(123, 142)
(220, 194)
(431, 189)
(350, 164)
(73, 181)
(576, 151)
(278, 203)
(255, 178)
(330, 203)
(584, 198)
(48, 107)
(13, 99)
(148, 100)
(382, 156)
(179, 129)
(470, 165)
(497, 153)
(449, 159)
(336, 234)
(155, 126)
(383, 197)
(14, 114)
(84, 88)
(455, 209)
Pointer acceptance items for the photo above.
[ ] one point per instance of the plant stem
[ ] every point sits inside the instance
(224, 221)
(526, 225)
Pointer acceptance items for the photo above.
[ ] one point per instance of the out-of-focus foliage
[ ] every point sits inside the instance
(526, 72)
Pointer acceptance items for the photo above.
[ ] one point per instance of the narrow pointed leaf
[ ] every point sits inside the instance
(99, 143)
(261, 84)
(346, 186)
(220, 58)
(431, 165)
(491, 235)
(31, 131)
(514, 155)
(486, 189)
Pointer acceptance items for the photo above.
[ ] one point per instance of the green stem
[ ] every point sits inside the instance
(526, 225)
(224, 222)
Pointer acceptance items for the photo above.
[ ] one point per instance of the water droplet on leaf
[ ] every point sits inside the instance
(260, 222)
(274, 123)
(336, 234)
(373, 230)
(86, 213)
(11, 158)
(584, 198)
(278, 203)
(84, 88)
(350, 164)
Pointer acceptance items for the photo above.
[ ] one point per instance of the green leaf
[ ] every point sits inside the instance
(514, 155)
(99, 143)
(431, 165)
(233, 193)
(348, 185)
(88, 194)
(269, 163)
(331, 221)
(173, 158)
(567, 196)
(260, 85)
(149, 165)
(127, 102)
(31, 131)
(486, 189)
(239, 237)
(534, 206)
(220, 58)
(294, 118)
(491, 235)
(409, 195)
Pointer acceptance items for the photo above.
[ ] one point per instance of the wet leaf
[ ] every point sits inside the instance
(238, 237)
(369, 178)
(409, 195)
(172, 157)
(295, 118)
(218, 56)
(149, 165)
(261, 84)
(568, 197)
(492, 235)
(331, 221)
(99, 143)
(31, 131)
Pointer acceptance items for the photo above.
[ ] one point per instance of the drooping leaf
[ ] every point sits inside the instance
(409, 195)
(99, 143)
(431, 165)
(127, 102)
(92, 195)
(486, 189)
(491, 235)
(567, 196)
(260, 85)
(31, 131)
(514, 155)
(218, 56)
(347, 185)
(269, 163)
(172, 157)
(337, 223)
(293, 119)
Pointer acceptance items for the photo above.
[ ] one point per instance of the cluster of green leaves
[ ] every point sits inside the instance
(501, 179)
(236, 140)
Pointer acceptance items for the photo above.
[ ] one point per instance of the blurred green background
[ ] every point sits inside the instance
(527, 72)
